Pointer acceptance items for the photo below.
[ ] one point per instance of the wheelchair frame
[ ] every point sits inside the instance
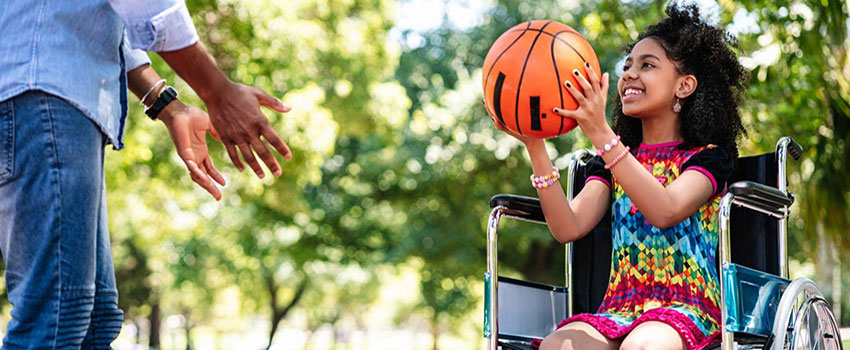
(773, 201)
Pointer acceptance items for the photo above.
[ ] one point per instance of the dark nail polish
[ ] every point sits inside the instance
(575, 71)
(587, 64)
(569, 85)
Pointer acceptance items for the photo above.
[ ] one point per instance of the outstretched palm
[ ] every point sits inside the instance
(188, 127)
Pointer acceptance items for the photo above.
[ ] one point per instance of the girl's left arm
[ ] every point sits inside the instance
(662, 206)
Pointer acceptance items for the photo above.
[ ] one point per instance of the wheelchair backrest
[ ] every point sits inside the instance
(754, 240)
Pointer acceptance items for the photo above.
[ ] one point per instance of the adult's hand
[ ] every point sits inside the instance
(234, 109)
(235, 113)
(188, 127)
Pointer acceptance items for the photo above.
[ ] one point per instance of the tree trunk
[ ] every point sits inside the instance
(828, 271)
(435, 333)
(154, 318)
(188, 329)
(836, 285)
(279, 313)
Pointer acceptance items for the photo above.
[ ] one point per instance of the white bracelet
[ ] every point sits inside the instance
(142, 101)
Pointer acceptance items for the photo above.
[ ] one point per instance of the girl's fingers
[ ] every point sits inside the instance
(577, 95)
(564, 112)
(591, 75)
(605, 85)
(582, 81)
(498, 125)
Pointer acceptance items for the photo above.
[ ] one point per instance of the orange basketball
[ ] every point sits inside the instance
(524, 73)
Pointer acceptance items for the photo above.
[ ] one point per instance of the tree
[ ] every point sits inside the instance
(798, 53)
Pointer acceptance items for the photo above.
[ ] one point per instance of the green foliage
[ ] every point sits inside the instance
(801, 87)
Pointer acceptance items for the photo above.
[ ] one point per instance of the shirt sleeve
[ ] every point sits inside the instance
(715, 163)
(156, 25)
(595, 170)
(133, 58)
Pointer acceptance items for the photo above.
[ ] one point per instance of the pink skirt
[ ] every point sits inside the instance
(687, 329)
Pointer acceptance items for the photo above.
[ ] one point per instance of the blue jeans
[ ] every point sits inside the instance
(53, 227)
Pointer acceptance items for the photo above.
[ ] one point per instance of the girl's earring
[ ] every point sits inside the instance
(677, 107)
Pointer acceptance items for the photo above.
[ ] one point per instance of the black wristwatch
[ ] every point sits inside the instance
(165, 97)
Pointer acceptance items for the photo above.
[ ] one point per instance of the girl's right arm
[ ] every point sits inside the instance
(568, 221)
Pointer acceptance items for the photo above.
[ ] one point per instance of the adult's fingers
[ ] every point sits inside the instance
(276, 141)
(270, 101)
(214, 134)
(234, 156)
(268, 158)
(201, 178)
(245, 149)
(213, 172)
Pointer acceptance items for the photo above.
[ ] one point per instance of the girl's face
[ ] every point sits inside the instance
(649, 81)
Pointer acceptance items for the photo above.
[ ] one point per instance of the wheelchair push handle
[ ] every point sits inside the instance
(791, 145)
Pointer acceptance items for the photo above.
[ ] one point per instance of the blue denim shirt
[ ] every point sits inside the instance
(76, 51)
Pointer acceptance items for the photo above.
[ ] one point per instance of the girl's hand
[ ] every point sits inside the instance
(590, 114)
(526, 140)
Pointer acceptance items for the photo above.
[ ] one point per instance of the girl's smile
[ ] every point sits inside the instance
(648, 83)
(631, 93)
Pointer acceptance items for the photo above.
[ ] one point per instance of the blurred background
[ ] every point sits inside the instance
(374, 237)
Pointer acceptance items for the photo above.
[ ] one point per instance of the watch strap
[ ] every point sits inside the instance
(165, 97)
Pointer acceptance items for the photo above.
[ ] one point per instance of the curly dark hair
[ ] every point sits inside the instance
(710, 114)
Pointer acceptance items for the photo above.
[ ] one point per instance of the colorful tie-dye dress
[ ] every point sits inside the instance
(667, 275)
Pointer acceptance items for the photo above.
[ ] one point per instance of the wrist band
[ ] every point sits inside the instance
(608, 146)
(544, 181)
(165, 97)
(145, 97)
(618, 159)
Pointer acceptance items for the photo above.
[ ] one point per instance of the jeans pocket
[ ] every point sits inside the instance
(7, 141)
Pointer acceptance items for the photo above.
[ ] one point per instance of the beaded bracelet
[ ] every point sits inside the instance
(608, 146)
(546, 180)
(618, 159)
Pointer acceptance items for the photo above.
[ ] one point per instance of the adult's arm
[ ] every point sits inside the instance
(165, 26)
(133, 58)
(234, 109)
(156, 25)
(186, 125)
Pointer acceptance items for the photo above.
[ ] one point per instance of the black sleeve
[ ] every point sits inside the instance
(715, 163)
(595, 170)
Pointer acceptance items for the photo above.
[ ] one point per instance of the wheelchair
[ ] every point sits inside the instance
(761, 308)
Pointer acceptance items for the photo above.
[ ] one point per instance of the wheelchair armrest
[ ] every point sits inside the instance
(521, 207)
(761, 196)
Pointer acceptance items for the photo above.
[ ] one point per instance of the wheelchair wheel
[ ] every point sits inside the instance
(804, 320)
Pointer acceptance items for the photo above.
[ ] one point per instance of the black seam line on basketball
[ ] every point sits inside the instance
(557, 83)
(539, 30)
(487, 79)
(519, 85)
(555, 37)
(497, 97)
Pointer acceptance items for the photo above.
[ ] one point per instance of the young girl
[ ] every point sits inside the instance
(663, 167)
